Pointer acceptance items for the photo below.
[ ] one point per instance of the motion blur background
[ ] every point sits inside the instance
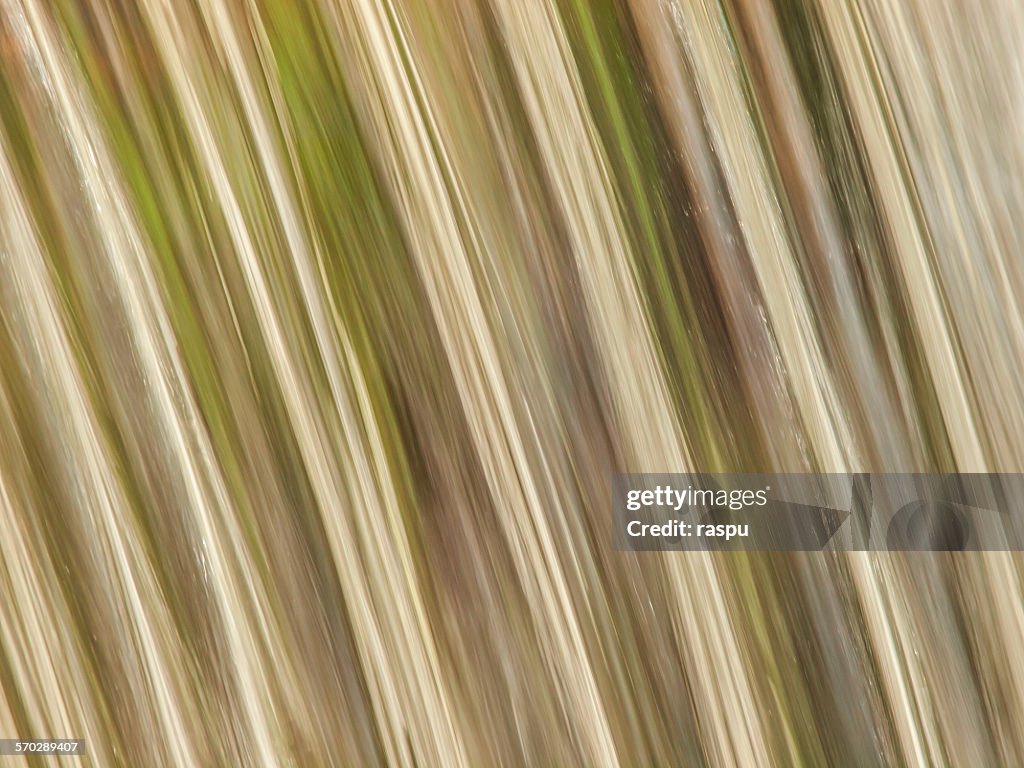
(325, 323)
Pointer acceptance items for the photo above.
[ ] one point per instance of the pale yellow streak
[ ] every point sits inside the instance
(385, 535)
(389, 105)
(970, 201)
(735, 140)
(352, 487)
(49, 670)
(949, 127)
(862, 83)
(120, 556)
(202, 488)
